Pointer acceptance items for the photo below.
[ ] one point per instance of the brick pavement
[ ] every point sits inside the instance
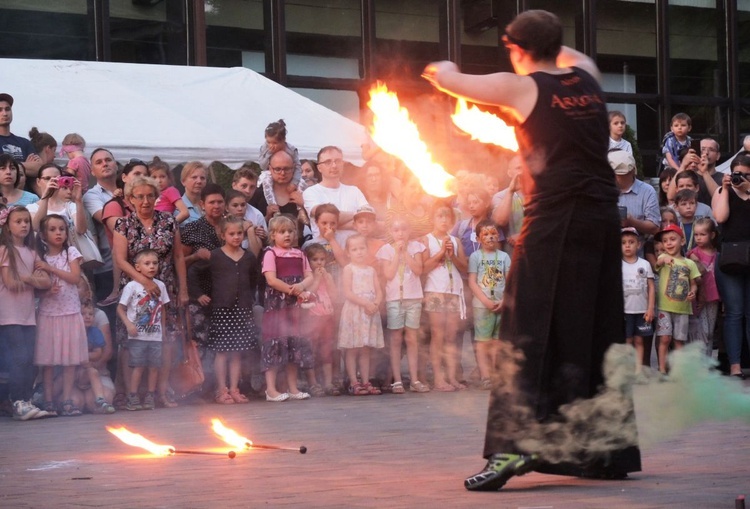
(377, 451)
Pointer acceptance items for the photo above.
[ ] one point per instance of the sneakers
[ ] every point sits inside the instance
(641, 378)
(102, 407)
(134, 402)
(499, 469)
(149, 401)
(24, 411)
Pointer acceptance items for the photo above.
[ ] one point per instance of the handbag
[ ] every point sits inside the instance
(92, 258)
(187, 377)
(735, 258)
(84, 242)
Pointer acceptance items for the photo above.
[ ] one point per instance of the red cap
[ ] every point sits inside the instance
(671, 227)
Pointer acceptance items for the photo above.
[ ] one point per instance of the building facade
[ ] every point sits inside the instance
(659, 57)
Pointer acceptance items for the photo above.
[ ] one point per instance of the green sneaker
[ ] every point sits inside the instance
(499, 469)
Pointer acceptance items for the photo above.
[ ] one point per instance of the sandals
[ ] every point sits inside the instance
(417, 386)
(332, 390)
(444, 388)
(68, 409)
(397, 388)
(49, 407)
(317, 391)
(167, 401)
(223, 397)
(486, 384)
(371, 389)
(120, 401)
(238, 397)
(358, 389)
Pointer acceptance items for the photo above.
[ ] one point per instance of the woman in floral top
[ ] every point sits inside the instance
(147, 228)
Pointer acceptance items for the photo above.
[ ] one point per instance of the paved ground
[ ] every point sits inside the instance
(378, 451)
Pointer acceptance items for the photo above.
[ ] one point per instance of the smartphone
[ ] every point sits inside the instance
(696, 145)
(623, 212)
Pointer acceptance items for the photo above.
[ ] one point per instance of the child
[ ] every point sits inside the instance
(245, 180)
(17, 313)
(61, 334)
(310, 173)
(237, 207)
(89, 379)
(617, 125)
(678, 283)
(685, 203)
(360, 328)
(488, 270)
(320, 319)
(275, 142)
(364, 224)
(232, 329)
(444, 299)
(640, 297)
(676, 139)
(401, 263)
(288, 276)
(143, 317)
(706, 307)
(665, 178)
(169, 199)
(78, 164)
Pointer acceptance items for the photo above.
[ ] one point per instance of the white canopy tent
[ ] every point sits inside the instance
(178, 113)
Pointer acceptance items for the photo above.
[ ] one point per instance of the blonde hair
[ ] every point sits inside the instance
(191, 168)
(278, 221)
(74, 139)
(140, 181)
(354, 237)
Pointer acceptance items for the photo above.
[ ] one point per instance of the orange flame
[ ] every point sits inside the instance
(230, 436)
(396, 134)
(137, 440)
(484, 126)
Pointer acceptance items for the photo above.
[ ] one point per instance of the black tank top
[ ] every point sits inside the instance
(737, 226)
(564, 142)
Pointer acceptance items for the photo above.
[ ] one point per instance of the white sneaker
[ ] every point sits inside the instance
(23, 411)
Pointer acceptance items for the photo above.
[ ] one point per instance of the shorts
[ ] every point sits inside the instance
(403, 313)
(486, 324)
(435, 302)
(144, 354)
(635, 325)
(672, 324)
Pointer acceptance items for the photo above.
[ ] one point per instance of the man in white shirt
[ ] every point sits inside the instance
(330, 190)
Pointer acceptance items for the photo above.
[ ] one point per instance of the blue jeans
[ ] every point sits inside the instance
(19, 348)
(735, 294)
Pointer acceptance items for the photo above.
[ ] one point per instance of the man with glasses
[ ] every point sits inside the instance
(348, 199)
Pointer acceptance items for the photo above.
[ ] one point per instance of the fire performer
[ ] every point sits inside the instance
(563, 301)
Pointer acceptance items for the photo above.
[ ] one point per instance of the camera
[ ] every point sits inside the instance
(65, 182)
(738, 178)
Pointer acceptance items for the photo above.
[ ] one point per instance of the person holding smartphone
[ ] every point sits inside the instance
(638, 203)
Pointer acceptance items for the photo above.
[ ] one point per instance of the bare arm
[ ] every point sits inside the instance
(720, 200)
(184, 213)
(568, 57)
(276, 283)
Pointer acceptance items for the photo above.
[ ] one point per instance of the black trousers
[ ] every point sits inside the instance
(563, 308)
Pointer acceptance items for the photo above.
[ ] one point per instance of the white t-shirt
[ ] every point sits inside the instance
(412, 287)
(143, 310)
(635, 278)
(444, 278)
(346, 198)
(254, 216)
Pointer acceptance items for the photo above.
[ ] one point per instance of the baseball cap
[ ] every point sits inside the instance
(671, 227)
(7, 98)
(363, 210)
(630, 230)
(621, 161)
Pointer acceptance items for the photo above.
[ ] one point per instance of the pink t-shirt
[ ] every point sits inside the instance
(167, 199)
(412, 287)
(82, 168)
(66, 301)
(18, 307)
(708, 280)
(269, 260)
